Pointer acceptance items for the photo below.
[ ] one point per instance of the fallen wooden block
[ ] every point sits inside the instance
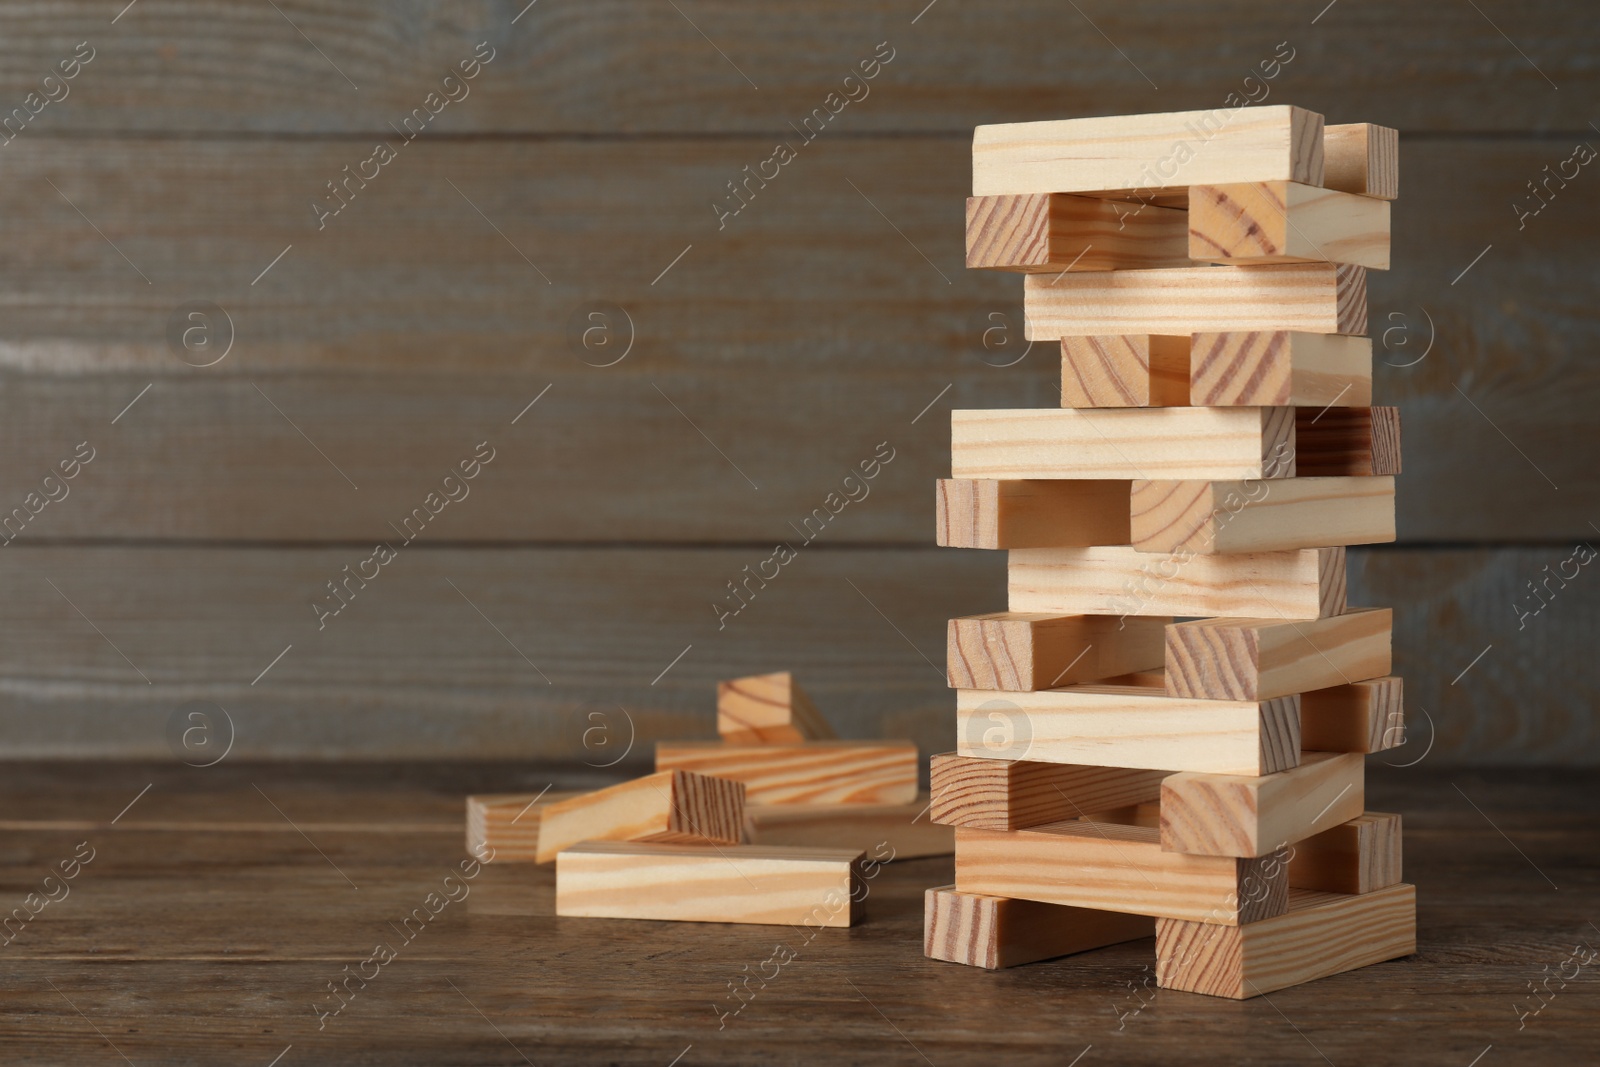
(1246, 816)
(1286, 222)
(884, 831)
(1261, 516)
(504, 827)
(1320, 935)
(1257, 659)
(1247, 368)
(1033, 513)
(757, 884)
(1336, 442)
(994, 932)
(1002, 794)
(1307, 583)
(1054, 232)
(1362, 158)
(1358, 856)
(1361, 717)
(768, 709)
(1125, 371)
(1310, 297)
(668, 806)
(1011, 650)
(819, 772)
(1123, 726)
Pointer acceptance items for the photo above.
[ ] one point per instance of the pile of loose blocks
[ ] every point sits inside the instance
(1166, 732)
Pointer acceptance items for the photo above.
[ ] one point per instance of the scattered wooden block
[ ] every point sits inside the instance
(1307, 583)
(993, 932)
(668, 806)
(504, 827)
(1257, 659)
(1033, 513)
(1122, 726)
(1246, 816)
(1055, 232)
(1358, 856)
(1125, 371)
(1309, 297)
(1123, 443)
(1362, 158)
(1362, 717)
(1002, 794)
(768, 709)
(1011, 650)
(1320, 935)
(1336, 442)
(1246, 368)
(884, 831)
(1260, 515)
(1286, 222)
(818, 887)
(818, 772)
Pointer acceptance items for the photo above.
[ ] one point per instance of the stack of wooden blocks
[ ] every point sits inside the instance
(1166, 732)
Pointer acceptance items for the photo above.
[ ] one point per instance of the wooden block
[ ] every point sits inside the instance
(1362, 158)
(1139, 155)
(1123, 726)
(1125, 371)
(1248, 368)
(1358, 856)
(768, 709)
(1335, 442)
(1031, 513)
(1361, 717)
(1012, 650)
(1286, 222)
(1261, 515)
(504, 827)
(1320, 935)
(1307, 583)
(758, 884)
(1257, 659)
(1118, 868)
(1309, 297)
(884, 831)
(1245, 816)
(1156, 679)
(1003, 794)
(1145, 814)
(1054, 232)
(994, 932)
(1209, 443)
(668, 806)
(819, 772)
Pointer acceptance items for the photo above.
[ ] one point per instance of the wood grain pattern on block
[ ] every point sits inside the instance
(768, 709)
(668, 806)
(1015, 651)
(1320, 935)
(1259, 515)
(1002, 794)
(817, 887)
(994, 932)
(1031, 513)
(1123, 443)
(1335, 442)
(1054, 232)
(1144, 154)
(818, 772)
(1361, 717)
(1310, 297)
(1257, 659)
(884, 832)
(1125, 726)
(504, 827)
(1118, 868)
(1253, 815)
(1286, 222)
(1362, 158)
(1306, 583)
(1125, 371)
(1358, 856)
(1244, 368)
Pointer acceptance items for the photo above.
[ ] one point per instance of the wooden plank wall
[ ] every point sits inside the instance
(772, 350)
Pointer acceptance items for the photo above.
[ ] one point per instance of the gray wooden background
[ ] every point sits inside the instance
(565, 605)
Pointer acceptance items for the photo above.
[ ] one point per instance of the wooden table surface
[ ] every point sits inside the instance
(218, 908)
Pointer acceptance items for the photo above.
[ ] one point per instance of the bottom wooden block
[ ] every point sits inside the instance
(884, 832)
(1321, 934)
(504, 827)
(995, 932)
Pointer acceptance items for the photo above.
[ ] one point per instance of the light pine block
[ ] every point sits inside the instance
(769, 886)
(1321, 934)
(1245, 368)
(818, 772)
(504, 827)
(1362, 158)
(1125, 371)
(668, 806)
(1247, 816)
(1054, 232)
(883, 831)
(993, 932)
(1361, 717)
(1338, 442)
(1002, 794)
(1260, 515)
(1257, 659)
(1358, 856)
(768, 709)
(1030, 513)
(1287, 222)
(1010, 650)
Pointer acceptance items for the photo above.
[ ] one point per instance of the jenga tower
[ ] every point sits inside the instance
(1166, 732)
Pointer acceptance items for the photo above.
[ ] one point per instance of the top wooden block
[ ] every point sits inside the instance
(1362, 158)
(768, 709)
